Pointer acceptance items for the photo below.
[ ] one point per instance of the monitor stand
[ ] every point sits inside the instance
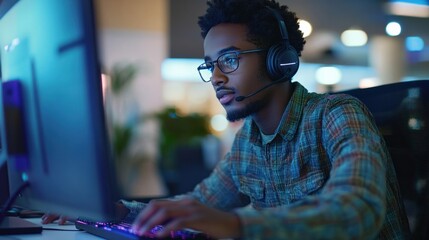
(16, 225)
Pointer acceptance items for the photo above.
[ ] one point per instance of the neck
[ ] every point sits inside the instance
(268, 118)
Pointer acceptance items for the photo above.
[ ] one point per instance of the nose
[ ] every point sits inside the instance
(218, 77)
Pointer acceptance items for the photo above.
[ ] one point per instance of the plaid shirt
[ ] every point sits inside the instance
(325, 173)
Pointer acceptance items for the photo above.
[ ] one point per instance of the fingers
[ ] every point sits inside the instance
(188, 213)
(169, 213)
(154, 214)
(63, 220)
(49, 218)
(144, 215)
(164, 217)
(173, 226)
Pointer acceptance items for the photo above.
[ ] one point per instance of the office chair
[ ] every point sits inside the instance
(401, 111)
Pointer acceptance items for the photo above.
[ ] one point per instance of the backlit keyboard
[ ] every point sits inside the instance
(122, 231)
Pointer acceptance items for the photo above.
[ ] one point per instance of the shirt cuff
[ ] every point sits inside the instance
(134, 207)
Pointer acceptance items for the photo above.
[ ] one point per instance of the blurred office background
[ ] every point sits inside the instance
(166, 112)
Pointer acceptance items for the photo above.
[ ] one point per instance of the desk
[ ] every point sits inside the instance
(52, 234)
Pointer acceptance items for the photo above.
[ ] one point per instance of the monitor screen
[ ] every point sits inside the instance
(52, 123)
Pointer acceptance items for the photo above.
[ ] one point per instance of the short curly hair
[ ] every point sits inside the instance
(263, 26)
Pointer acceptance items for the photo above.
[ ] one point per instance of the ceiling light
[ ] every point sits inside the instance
(393, 29)
(328, 75)
(305, 27)
(354, 38)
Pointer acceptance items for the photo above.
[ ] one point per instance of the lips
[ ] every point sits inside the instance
(225, 96)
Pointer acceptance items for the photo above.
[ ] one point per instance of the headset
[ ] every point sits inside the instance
(282, 58)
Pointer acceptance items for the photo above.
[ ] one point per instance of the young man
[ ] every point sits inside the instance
(303, 166)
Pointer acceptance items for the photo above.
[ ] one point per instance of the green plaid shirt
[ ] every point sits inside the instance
(325, 174)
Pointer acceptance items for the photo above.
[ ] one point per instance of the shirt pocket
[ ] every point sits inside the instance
(254, 189)
(309, 185)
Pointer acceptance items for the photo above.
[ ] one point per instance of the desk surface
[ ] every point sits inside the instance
(53, 231)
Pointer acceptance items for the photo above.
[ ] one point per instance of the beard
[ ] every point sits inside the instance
(249, 109)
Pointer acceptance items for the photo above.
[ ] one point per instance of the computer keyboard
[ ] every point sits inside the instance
(122, 231)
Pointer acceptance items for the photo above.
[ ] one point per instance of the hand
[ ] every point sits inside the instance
(186, 213)
(49, 218)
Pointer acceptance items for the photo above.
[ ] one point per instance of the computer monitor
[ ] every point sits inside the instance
(52, 96)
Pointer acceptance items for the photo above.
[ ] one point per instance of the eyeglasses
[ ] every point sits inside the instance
(227, 62)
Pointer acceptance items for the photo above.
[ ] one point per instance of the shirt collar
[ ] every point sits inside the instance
(290, 119)
(292, 115)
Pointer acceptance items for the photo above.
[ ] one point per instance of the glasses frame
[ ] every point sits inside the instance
(215, 63)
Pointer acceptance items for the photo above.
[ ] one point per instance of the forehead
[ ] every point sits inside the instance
(226, 35)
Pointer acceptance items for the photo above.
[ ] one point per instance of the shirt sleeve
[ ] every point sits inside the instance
(352, 202)
(219, 189)
(134, 207)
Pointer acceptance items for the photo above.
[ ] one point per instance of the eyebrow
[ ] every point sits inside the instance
(228, 49)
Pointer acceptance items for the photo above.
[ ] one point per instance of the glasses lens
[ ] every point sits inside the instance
(228, 62)
(205, 72)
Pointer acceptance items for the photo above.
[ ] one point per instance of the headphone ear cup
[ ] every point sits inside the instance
(282, 61)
